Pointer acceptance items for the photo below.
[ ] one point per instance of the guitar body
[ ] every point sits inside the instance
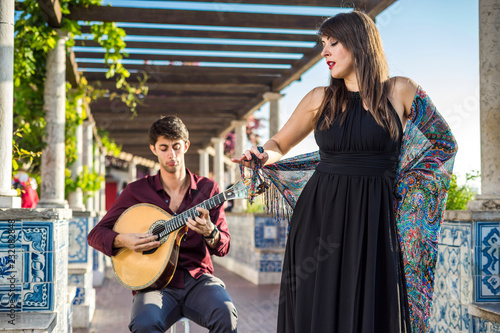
(141, 270)
(153, 269)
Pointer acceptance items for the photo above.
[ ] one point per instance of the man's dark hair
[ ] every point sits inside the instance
(171, 127)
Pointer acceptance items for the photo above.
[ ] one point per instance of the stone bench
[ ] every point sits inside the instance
(28, 322)
(487, 311)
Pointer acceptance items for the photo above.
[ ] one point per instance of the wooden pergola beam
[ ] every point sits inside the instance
(121, 111)
(315, 3)
(190, 59)
(293, 74)
(203, 47)
(297, 37)
(180, 78)
(376, 7)
(192, 70)
(72, 74)
(193, 88)
(142, 122)
(205, 100)
(139, 136)
(51, 11)
(192, 17)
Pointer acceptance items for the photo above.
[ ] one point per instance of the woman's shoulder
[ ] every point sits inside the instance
(402, 92)
(311, 101)
(318, 93)
(402, 87)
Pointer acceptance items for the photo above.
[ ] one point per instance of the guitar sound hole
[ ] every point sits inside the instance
(157, 230)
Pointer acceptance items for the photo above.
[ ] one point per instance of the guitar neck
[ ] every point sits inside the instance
(180, 220)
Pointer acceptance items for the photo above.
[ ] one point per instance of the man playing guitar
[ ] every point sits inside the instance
(193, 292)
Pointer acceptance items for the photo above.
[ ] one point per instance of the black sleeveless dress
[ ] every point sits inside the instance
(342, 271)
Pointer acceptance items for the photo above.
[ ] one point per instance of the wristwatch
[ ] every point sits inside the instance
(213, 233)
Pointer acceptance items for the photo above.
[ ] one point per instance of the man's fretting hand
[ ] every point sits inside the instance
(201, 224)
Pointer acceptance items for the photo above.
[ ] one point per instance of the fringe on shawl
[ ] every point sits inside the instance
(284, 181)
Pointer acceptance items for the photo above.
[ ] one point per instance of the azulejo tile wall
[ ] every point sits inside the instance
(78, 231)
(467, 272)
(257, 247)
(486, 273)
(33, 266)
(80, 267)
(269, 235)
(453, 279)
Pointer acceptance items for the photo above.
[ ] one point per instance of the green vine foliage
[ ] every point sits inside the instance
(33, 40)
(460, 195)
(111, 147)
(89, 182)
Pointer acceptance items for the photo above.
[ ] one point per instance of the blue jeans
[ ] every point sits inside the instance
(204, 301)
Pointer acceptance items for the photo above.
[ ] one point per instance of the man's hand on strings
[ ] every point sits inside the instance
(136, 241)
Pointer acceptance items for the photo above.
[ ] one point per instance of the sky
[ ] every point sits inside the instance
(435, 43)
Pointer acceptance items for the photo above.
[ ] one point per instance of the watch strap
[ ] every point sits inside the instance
(213, 233)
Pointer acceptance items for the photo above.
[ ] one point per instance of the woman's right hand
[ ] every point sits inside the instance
(247, 160)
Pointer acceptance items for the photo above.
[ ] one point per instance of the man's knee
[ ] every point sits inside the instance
(146, 322)
(224, 318)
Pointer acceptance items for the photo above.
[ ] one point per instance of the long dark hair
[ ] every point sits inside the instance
(357, 32)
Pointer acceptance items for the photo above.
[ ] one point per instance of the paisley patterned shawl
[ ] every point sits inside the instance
(424, 172)
(425, 166)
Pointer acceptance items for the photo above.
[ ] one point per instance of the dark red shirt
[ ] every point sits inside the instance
(194, 253)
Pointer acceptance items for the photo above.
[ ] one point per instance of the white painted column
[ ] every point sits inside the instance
(219, 162)
(155, 169)
(75, 198)
(8, 196)
(274, 112)
(102, 165)
(88, 155)
(132, 171)
(489, 107)
(97, 168)
(54, 155)
(240, 130)
(232, 169)
(204, 163)
(489, 83)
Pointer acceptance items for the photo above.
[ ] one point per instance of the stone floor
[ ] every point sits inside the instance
(256, 305)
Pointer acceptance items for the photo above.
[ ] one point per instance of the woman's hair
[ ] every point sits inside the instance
(171, 127)
(357, 32)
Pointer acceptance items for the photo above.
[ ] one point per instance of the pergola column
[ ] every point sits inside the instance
(54, 155)
(204, 163)
(97, 168)
(88, 155)
(132, 171)
(102, 166)
(75, 198)
(219, 162)
(8, 197)
(489, 74)
(240, 130)
(489, 107)
(274, 112)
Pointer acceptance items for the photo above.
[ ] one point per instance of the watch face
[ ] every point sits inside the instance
(212, 235)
